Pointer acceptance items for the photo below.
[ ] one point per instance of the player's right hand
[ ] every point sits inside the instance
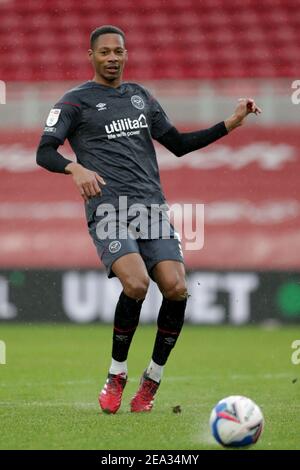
(88, 182)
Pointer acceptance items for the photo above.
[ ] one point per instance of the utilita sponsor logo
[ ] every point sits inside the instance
(126, 124)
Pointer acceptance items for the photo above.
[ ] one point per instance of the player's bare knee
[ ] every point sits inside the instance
(136, 288)
(177, 291)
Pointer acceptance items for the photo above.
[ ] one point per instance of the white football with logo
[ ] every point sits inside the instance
(236, 421)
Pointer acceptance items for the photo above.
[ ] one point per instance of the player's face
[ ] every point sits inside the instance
(108, 58)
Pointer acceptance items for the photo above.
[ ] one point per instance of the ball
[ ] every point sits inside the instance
(236, 421)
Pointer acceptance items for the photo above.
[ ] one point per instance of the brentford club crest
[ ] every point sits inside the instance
(137, 102)
(114, 246)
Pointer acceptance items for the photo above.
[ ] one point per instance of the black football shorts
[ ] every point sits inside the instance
(115, 235)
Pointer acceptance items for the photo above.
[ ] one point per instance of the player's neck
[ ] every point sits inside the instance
(101, 81)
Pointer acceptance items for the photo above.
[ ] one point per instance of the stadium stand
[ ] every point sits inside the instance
(42, 40)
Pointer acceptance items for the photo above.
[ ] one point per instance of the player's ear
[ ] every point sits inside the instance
(90, 54)
(126, 55)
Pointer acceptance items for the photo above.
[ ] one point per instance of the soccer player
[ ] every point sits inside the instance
(110, 125)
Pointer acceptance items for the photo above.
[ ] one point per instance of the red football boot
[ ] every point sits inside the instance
(110, 397)
(144, 397)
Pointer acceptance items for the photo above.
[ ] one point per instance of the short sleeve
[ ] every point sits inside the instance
(63, 118)
(160, 123)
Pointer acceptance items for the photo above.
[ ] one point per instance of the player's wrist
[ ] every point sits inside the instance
(71, 168)
(232, 122)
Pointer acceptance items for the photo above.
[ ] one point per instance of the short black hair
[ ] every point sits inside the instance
(106, 29)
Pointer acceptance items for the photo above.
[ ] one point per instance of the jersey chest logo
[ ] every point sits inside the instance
(137, 102)
(101, 106)
(126, 126)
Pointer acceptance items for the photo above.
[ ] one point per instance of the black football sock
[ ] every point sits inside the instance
(169, 324)
(126, 320)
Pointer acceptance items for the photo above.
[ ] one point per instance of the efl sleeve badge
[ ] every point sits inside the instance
(53, 117)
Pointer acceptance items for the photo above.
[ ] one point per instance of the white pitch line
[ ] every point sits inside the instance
(47, 404)
(233, 377)
(43, 384)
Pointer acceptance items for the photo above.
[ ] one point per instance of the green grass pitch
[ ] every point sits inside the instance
(50, 384)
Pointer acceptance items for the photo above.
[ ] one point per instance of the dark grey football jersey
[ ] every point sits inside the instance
(110, 131)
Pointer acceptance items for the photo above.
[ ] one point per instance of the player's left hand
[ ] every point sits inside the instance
(245, 106)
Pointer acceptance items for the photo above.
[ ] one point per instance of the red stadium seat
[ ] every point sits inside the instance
(166, 39)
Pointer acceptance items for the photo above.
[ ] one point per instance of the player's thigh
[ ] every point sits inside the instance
(171, 279)
(133, 275)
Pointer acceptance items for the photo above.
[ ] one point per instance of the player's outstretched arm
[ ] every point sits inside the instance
(181, 143)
